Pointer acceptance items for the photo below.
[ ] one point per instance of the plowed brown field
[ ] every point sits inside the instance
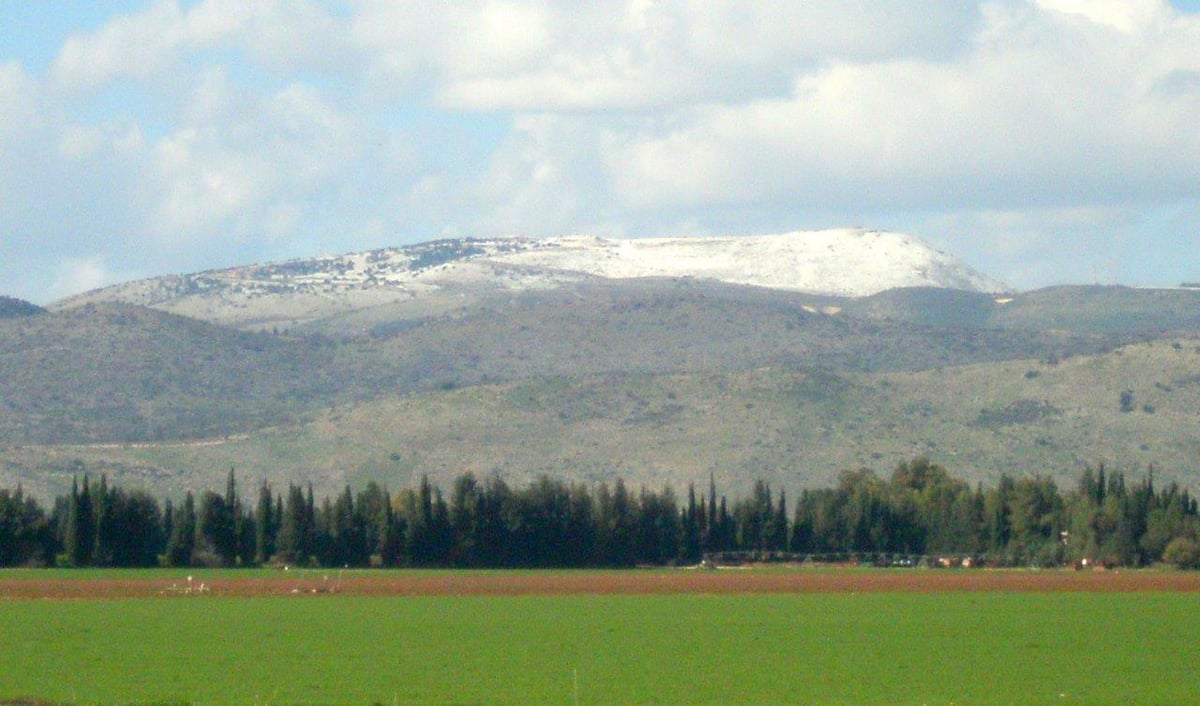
(510, 583)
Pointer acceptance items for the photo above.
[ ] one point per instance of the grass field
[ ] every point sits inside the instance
(789, 648)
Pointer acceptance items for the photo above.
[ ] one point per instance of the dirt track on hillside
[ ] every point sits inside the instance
(723, 581)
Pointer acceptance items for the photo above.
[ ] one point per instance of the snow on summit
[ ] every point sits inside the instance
(842, 262)
(845, 262)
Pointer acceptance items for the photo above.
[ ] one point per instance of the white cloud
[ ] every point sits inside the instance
(634, 54)
(241, 160)
(1123, 15)
(135, 46)
(79, 275)
(1040, 110)
(18, 102)
(277, 34)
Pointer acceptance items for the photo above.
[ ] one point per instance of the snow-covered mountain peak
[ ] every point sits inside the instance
(842, 262)
(846, 262)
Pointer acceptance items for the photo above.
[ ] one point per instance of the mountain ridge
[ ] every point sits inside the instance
(443, 274)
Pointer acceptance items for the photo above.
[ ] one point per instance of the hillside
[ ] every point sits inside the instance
(118, 373)
(1124, 311)
(792, 427)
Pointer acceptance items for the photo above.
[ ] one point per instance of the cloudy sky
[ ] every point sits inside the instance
(1043, 141)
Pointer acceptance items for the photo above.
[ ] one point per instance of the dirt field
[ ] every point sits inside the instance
(723, 581)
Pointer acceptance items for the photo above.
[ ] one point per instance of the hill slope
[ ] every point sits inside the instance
(118, 373)
(791, 427)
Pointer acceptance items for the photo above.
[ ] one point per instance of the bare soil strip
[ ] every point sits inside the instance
(509, 583)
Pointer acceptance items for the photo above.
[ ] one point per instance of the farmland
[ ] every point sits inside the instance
(663, 637)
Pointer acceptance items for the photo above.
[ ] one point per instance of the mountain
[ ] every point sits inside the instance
(661, 361)
(422, 280)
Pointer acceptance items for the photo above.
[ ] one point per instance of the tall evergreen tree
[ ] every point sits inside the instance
(102, 547)
(181, 544)
(241, 549)
(81, 526)
(690, 527)
(264, 525)
(216, 530)
(294, 542)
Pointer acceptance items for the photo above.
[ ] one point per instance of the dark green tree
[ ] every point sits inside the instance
(181, 543)
(216, 531)
(25, 532)
(80, 540)
(265, 525)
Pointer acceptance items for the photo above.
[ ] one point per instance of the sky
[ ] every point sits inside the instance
(1041, 141)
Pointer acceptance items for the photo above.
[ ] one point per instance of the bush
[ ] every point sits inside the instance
(1183, 553)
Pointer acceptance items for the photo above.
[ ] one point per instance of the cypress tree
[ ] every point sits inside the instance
(182, 542)
(107, 530)
(264, 526)
(81, 526)
(690, 520)
(70, 534)
(710, 523)
(238, 550)
(392, 547)
(308, 535)
(777, 539)
(291, 541)
(168, 526)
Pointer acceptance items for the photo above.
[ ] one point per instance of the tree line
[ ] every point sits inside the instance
(920, 510)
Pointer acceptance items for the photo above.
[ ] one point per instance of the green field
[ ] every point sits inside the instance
(882, 648)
